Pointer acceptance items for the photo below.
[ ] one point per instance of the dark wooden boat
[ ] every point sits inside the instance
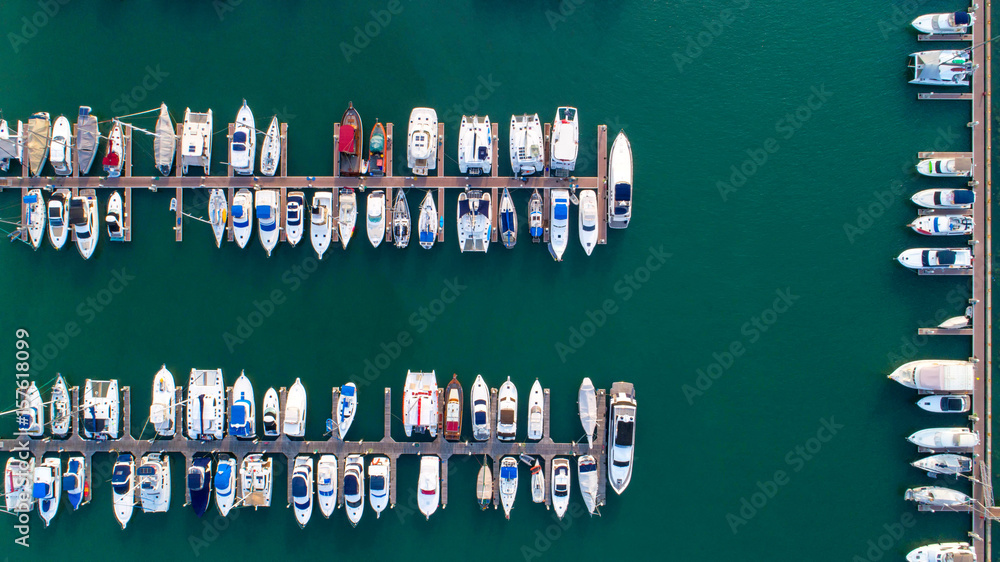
(350, 143)
(376, 151)
(453, 400)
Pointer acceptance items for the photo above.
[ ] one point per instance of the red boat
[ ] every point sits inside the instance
(350, 143)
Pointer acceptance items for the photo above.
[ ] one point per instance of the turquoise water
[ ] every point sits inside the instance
(758, 344)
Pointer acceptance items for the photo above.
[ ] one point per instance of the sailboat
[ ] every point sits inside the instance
(256, 475)
(536, 411)
(225, 483)
(218, 214)
(154, 483)
(376, 151)
(267, 219)
(347, 404)
(294, 208)
(270, 149)
(484, 486)
(295, 410)
(271, 410)
(123, 488)
(508, 484)
(114, 158)
(58, 217)
(560, 486)
(242, 416)
(375, 217)
(199, 483)
(480, 404)
(35, 214)
(46, 489)
(565, 141)
(427, 222)
(378, 485)
(586, 470)
(535, 228)
(507, 220)
(401, 221)
(61, 149)
(31, 414)
(354, 488)
(321, 222)
(348, 216)
(60, 407)
(453, 397)
(164, 143)
(115, 219)
(242, 217)
(88, 139)
(74, 480)
(351, 142)
(39, 134)
(588, 220)
(429, 485)
(302, 489)
(18, 477)
(326, 484)
(243, 146)
(206, 402)
(944, 463)
(587, 403)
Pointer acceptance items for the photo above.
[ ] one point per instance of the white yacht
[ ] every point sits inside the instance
(256, 475)
(83, 219)
(588, 220)
(587, 404)
(271, 410)
(942, 68)
(161, 410)
(475, 221)
(586, 473)
(19, 475)
(243, 145)
(949, 23)
(945, 403)
(943, 225)
(59, 402)
(321, 222)
(401, 221)
(565, 141)
(536, 411)
(508, 484)
(270, 149)
(429, 485)
(620, 182)
(354, 488)
(560, 486)
(58, 217)
(347, 218)
(427, 222)
(559, 223)
(537, 478)
(35, 217)
(295, 411)
(526, 145)
(302, 489)
(114, 156)
(945, 167)
(378, 484)
(100, 409)
(936, 496)
(196, 141)
(475, 145)
(943, 552)
(242, 216)
(218, 214)
(46, 488)
(420, 403)
(422, 141)
(507, 411)
(74, 480)
(164, 143)
(123, 488)
(115, 219)
(375, 217)
(936, 258)
(507, 220)
(945, 198)
(944, 463)
(154, 483)
(294, 209)
(61, 151)
(480, 405)
(225, 483)
(326, 484)
(206, 403)
(945, 438)
(621, 435)
(938, 375)
(268, 227)
(347, 405)
(31, 413)
(242, 413)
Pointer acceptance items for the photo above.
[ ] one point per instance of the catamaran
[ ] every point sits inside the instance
(588, 220)
(39, 135)
(270, 149)
(526, 148)
(422, 141)
(420, 403)
(347, 405)
(154, 483)
(225, 483)
(348, 216)
(58, 217)
(621, 435)
(536, 411)
(326, 484)
(508, 484)
(480, 405)
(354, 488)
(61, 149)
(18, 477)
(243, 217)
(295, 410)
(378, 484)
(620, 182)
(586, 471)
(429, 485)
(114, 157)
(565, 141)
(375, 217)
(123, 488)
(100, 409)
(942, 68)
(35, 217)
(196, 141)
(475, 221)
(507, 411)
(60, 407)
(321, 222)
(294, 208)
(31, 414)
(267, 219)
(161, 410)
(256, 474)
(199, 483)
(559, 223)
(475, 145)
(427, 223)
(83, 219)
(271, 413)
(302, 489)
(242, 415)
(164, 142)
(243, 145)
(351, 143)
(507, 220)
(401, 221)
(74, 480)
(115, 219)
(453, 397)
(560, 486)
(46, 488)
(218, 214)
(206, 402)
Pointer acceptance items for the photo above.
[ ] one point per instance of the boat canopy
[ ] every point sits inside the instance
(347, 390)
(463, 207)
(223, 476)
(508, 472)
(946, 257)
(623, 191)
(264, 212)
(111, 159)
(963, 18)
(196, 478)
(377, 143)
(145, 470)
(40, 490)
(238, 417)
(961, 196)
(239, 140)
(31, 198)
(480, 418)
(346, 143)
(507, 416)
(299, 487)
(426, 236)
(561, 211)
(378, 483)
(623, 435)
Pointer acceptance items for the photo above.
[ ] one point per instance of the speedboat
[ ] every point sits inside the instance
(354, 488)
(621, 435)
(938, 375)
(535, 227)
(537, 478)
(945, 198)
(420, 403)
(302, 489)
(422, 141)
(936, 258)
(588, 220)
(83, 219)
(46, 488)
(620, 182)
(560, 486)
(375, 217)
(60, 408)
(199, 483)
(945, 438)
(484, 486)
(559, 223)
(475, 221)
(74, 480)
(326, 484)
(243, 145)
(58, 217)
(115, 219)
(35, 216)
(427, 222)
(401, 221)
(351, 142)
(453, 397)
(19, 475)
(586, 472)
(945, 167)
(526, 145)
(123, 488)
(31, 414)
(952, 22)
(376, 151)
(61, 149)
(295, 411)
(936, 496)
(946, 404)
(321, 222)
(475, 145)
(587, 404)
(942, 225)
(944, 463)
(942, 68)
(206, 403)
(154, 483)
(196, 141)
(507, 220)
(565, 141)
(270, 149)
(429, 485)
(243, 216)
(114, 157)
(507, 411)
(958, 322)
(242, 415)
(347, 404)
(378, 484)
(294, 207)
(88, 139)
(218, 214)
(271, 410)
(39, 133)
(480, 405)
(267, 219)
(256, 475)
(164, 143)
(100, 409)
(536, 411)
(348, 215)
(225, 483)
(508, 484)
(943, 552)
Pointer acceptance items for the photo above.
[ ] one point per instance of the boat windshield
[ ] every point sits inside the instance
(378, 483)
(623, 435)
(350, 485)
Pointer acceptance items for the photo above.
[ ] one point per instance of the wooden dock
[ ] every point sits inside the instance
(944, 332)
(944, 96)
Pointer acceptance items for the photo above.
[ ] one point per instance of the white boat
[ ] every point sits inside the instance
(507, 411)
(945, 167)
(37, 143)
(154, 483)
(354, 488)
(114, 157)
(165, 142)
(537, 481)
(46, 488)
(484, 486)
(560, 486)
(31, 413)
(375, 217)
(242, 413)
(536, 411)
(508, 484)
(943, 552)
(58, 217)
(936, 258)
(559, 223)
(620, 182)
(427, 222)
(206, 403)
(429, 485)
(9, 147)
(326, 484)
(242, 216)
(347, 404)
(267, 219)
(225, 483)
(586, 473)
(243, 145)
(61, 151)
(295, 411)
(475, 221)
(218, 214)
(945, 438)
(480, 406)
(621, 435)
(270, 149)
(378, 485)
(271, 410)
(949, 23)
(18, 477)
(943, 225)
(475, 145)
(100, 409)
(422, 140)
(945, 198)
(401, 221)
(938, 375)
(526, 145)
(123, 488)
(115, 219)
(944, 404)
(588, 220)
(535, 217)
(295, 206)
(958, 322)
(35, 216)
(348, 215)
(507, 220)
(161, 410)
(942, 68)
(936, 496)
(587, 404)
(83, 219)
(74, 480)
(256, 475)
(60, 417)
(565, 141)
(420, 403)
(321, 222)
(302, 489)
(196, 141)
(944, 463)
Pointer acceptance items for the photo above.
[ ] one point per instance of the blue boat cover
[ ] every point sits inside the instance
(508, 472)
(480, 418)
(535, 231)
(268, 226)
(238, 418)
(299, 486)
(350, 485)
(40, 490)
(946, 257)
(962, 18)
(329, 425)
(561, 212)
(506, 221)
(964, 196)
(426, 236)
(222, 477)
(588, 468)
(347, 390)
(69, 481)
(463, 207)
(239, 137)
(238, 211)
(623, 192)
(31, 198)
(378, 483)
(196, 480)
(264, 212)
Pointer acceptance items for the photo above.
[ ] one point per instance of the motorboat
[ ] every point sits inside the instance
(348, 215)
(946, 404)
(115, 219)
(243, 144)
(302, 489)
(936, 496)
(326, 484)
(321, 222)
(475, 221)
(420, 403)
(586, 473)
(100, 409)
(484, 486)
(61, 148)
(206, 403)
(378, 484)
(936, 258)
(225, 483)
(199, 483)
(526, 145)
(586, 402)
(114, 156)
(295, 410)
(37, 145)
(34, 214)
(9, 147)
(945, 167)
(270, 149)
(271, 410)
(294, 209)
(242, 413)
(218, 214)
(507, 411)
(19, 475)
(560, 486)
(620, 182)
(268, 229)
(256, 475)
(958, 322)
(945, 24)
(351, 143)
(162, 410)
(453, 399)
(59, 401)
(937, 375)
(242, 216)
(123, 488)
(508, 484)
(537, 478)
(354, 488)
(945, 198)
(83, 220)
(196, 141)
(376, 151)
(74, 480)
(945, 438)
(621, 435)
(536, 411)
(46, 488)
(154, 483)
(942, 68)
(347, 405)
(480, 409)
(944, 463)
(164, 142)
(588, 220)
(559, 223)
(375, 217)
(943, 225)
(507, 220)
(88, 139)
(58, 217)
(475, 145)
(31, 413)
(427, 222)
(943, 552)
(535, 227)
(401, 221)
(422, 141)
(565, 141)
(429, 485)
